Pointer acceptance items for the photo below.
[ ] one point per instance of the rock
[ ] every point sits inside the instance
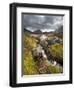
(43, 37)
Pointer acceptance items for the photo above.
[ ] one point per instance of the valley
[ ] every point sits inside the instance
(42, 52)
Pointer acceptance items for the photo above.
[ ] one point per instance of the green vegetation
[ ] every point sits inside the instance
(30, 65)
(29, 41)
(58, 35)
(56, 50)
(54, 69)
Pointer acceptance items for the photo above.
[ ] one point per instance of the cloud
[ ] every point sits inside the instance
(42, 22)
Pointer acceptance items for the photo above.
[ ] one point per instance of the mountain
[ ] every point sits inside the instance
(26, 30)
(34, 32)
(48, 32)
(60, 30)
(37, 32)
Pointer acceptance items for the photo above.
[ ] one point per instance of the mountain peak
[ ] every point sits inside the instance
(38, 32)
(26, 30)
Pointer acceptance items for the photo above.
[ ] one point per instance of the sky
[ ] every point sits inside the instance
(45, 23)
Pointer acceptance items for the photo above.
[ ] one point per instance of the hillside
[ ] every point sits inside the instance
(42, 56)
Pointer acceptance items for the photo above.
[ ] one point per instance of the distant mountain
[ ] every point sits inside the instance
(37, 32)
(60, 30)
(26, 30)
(34, 32)
(48, 32)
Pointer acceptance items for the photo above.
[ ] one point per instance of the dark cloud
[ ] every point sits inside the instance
(35, 22)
